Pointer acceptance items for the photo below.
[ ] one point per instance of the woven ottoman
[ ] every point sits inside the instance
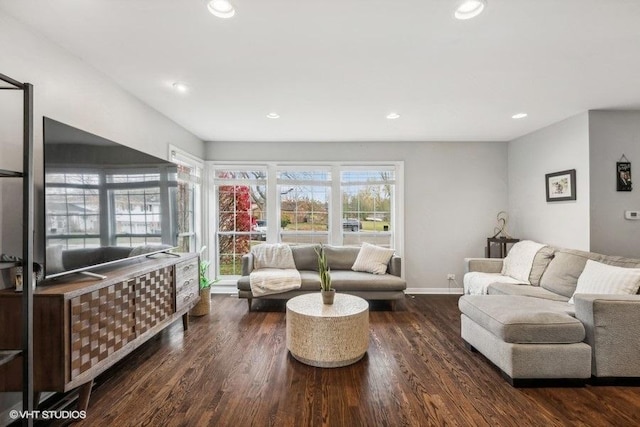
(327, 336)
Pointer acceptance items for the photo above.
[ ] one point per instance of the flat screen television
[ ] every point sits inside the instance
(103, 202)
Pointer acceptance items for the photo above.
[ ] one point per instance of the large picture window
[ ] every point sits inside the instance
(296, 204)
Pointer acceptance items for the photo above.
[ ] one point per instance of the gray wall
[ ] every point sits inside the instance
(611, 134)
(453, 191)
(561, 146)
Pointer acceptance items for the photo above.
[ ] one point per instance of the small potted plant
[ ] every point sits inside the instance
(328, 293)
(203, 306)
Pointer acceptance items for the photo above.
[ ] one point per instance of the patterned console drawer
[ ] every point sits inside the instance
(187, 283)
(105, 320)
(102, 322)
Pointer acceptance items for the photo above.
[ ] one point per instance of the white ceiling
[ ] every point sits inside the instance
(333, 69)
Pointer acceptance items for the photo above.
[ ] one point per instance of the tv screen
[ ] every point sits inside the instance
(104, 201)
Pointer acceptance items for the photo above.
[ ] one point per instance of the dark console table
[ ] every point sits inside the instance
(82, 326)
(502, 243)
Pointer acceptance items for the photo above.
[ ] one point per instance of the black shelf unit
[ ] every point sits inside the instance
(7, 83)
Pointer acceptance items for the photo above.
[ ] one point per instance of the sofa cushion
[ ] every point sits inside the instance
(540, 263)
(561, 276)
(372, 259)
(340, 257)
(599, 278)
(521, 319)
(305, 256)
(519, 261)
(524, 290)
(359, 281)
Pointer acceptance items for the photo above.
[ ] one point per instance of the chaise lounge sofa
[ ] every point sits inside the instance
(340, 259)
(554, 327)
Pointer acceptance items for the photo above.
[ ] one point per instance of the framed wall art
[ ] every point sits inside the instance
(561, 186)
(623, 174)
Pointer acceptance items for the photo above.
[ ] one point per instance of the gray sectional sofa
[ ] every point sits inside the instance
(340, 259)
(532, 333)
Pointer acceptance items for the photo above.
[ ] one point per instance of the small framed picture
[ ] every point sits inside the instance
(561, 186)
(623, 176)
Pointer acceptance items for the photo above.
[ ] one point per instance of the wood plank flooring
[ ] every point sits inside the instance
(232, 369)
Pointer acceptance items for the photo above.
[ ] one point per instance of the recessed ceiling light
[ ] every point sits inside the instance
(221, 8)
(180, 87)
(273, 115)
(468, 9)
(393, 116)
(519, 116)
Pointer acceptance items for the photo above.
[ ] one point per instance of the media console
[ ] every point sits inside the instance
(84, 325)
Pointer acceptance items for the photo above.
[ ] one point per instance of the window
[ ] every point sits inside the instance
(367, 199)
(189, 196)
(240, 203)
(292, 203)
(304, 206)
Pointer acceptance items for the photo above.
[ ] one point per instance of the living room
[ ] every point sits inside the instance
(460, 159)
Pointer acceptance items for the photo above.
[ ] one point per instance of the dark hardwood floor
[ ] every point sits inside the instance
(232, 369)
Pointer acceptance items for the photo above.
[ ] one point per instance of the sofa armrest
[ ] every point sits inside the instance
(247, 264)
(483, 265)
(610, 322)
(395, 266)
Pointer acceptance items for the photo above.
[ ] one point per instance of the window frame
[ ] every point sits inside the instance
(183, 158)
(335, 234)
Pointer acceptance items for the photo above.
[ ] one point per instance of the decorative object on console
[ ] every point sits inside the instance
(501, 229)
(561, 186)
(623, 174)
(17, 275)
(327, 292)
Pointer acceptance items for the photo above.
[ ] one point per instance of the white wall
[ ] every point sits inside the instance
(612, 134)
(68, 90)
(561, 146)
(453, 191)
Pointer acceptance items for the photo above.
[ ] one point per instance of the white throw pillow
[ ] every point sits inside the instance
(599, 278)
(372, 259)
(519, 260)
(273, 256)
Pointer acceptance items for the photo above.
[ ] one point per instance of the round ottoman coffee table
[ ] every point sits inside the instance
(327, 336)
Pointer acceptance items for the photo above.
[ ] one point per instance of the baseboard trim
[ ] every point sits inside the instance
(434, 291)
(232, 289)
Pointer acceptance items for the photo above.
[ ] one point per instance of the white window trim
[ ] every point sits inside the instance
(178, 155)
(272, 182)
